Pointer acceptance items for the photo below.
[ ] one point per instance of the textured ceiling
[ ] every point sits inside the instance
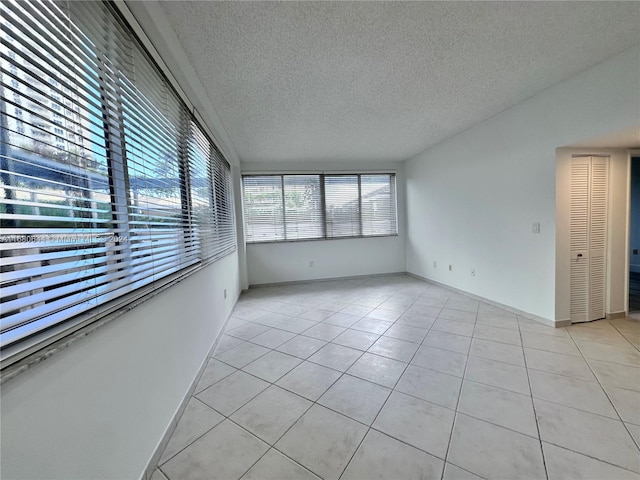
(383, 80)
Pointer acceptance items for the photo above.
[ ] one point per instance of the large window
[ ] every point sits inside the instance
(305, 207)
(110, 187)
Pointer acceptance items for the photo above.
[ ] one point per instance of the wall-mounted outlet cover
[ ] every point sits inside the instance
(311, 263)
(450, 267)
(435, 264)
(473, 273)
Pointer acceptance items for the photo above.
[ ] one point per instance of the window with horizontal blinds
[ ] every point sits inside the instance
(283, 207)
(263, 208)
(302, 207)
(342, 204)
(378, 205)
(109, 184)
(225, 241)
(287, 207)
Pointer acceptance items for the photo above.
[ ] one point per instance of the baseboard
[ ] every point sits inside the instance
(563, 323)
(166, 436)
(332, 279)
(521, 313)
(614, 315)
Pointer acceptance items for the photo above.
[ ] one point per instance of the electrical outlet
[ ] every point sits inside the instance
(473, 272)
(311, 263)
(450, 267)
(535, 227)
(225, 293)
(435, 264)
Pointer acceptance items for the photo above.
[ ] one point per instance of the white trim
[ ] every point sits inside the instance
(521, 313)
(327, 279)
(627, 256)
(318, 172)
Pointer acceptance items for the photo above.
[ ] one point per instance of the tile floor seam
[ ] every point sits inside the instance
(370, 427)
(551, 351)
(625, 337)
(615, 409)
(437, 371)
(535, 412)
(289, 458)
(246, 373)
(499, 361)
(579, 409)
(455, 416)
(564, 375)
(192, 442)
(599, 360)
(591, 457)
(272, 445)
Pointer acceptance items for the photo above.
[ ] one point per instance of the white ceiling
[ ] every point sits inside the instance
(383, 80)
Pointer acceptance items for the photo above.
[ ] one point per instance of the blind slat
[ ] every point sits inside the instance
(301, 207)
(109, 183)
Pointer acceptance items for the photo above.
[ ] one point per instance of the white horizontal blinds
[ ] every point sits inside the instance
(299, 207)
(223, 186)
(263, 208)
(203, 229)
(378, 204)
(155, 125)
(56, 210)
(303, 207)
(342, 205)
(107, 184)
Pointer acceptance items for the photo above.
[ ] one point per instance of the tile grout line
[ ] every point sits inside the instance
(615, 409)
(370, 427)
(306, 295)
(533, 406)
(455, 416)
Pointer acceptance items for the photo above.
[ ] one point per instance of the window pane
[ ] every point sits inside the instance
(226, 232)
(202, 231)
(303, 207)
(342, 205)
(263, 208)
(107, 183)
(378, 205)
(56, 206)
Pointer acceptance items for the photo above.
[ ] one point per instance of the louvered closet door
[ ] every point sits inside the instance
(588, 235)
(598, 236)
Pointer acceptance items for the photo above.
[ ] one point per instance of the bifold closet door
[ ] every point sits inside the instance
(588, 237)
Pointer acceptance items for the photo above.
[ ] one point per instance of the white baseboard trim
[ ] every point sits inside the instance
(522, 313)
(173, 423)
(332, 279)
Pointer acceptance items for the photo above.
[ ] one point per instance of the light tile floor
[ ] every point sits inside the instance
(395, 378)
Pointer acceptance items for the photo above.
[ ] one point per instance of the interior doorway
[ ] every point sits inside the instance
(634, 236)
(589, 193)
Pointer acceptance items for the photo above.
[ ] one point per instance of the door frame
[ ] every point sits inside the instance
(631, 153)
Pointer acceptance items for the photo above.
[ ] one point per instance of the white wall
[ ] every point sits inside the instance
(289, 261)
(99, 408)
(618, 214)
(471, 200)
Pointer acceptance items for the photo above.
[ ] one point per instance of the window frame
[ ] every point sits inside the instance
(322, 175)
(50, 337)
